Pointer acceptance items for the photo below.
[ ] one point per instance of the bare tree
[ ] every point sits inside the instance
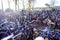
(30, 2)
(53, 2)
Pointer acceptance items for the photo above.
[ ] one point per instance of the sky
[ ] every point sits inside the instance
(38, 3)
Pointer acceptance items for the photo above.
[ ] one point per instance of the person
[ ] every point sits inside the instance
(30, 34)
(39, 38)
(8, 37)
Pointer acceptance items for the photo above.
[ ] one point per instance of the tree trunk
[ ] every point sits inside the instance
(23, 4)
(2, 4)
(18, 5)
(9, 3)
(15, 7)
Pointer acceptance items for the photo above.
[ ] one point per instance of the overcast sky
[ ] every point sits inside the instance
(38, 3)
